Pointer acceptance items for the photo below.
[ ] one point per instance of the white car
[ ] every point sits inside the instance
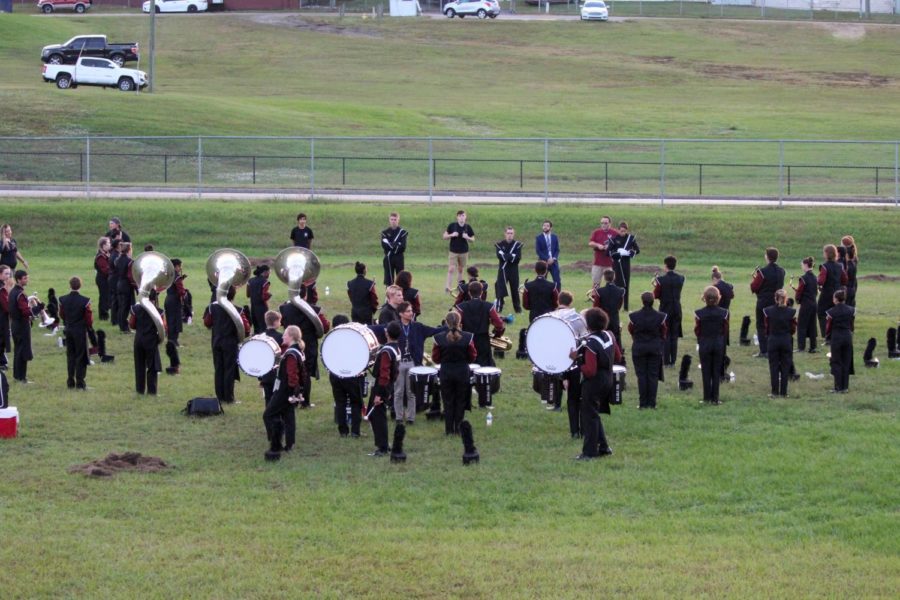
(594, 10)
(166, 6)
(479, 8)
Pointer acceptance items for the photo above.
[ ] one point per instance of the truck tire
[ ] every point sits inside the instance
(119, 59)
(126, 84)
(192, 8)
(64, 81)
(55, 59)
(47, 9)
(79, 8)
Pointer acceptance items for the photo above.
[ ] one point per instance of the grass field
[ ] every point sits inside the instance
(756, 498)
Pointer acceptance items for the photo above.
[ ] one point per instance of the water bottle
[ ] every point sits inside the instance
(327, 291)
(731, 377)
(349, 416)
(490, 419)
(755, 340)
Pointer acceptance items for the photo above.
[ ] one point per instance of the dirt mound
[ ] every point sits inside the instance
(879, 277)
(113, 463)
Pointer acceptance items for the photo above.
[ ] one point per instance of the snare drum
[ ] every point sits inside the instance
(487, 383)
(348, 350)
(422, 381)
(552, 336)
(259, 355)
(618, 383)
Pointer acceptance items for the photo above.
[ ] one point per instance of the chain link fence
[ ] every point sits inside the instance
(529, 167)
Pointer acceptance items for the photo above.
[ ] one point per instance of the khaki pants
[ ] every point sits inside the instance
(456, 262)
(403, 392)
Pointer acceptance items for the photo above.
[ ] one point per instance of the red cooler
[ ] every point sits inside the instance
(9, 422)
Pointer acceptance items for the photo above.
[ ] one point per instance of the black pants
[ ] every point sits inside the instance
(712, 355)
(393, 264)
(21, 337)
(646, 368)
(225, 370)
(113, 303)
(622, 270)
(806, 327)
(573, 400)
(146, 360)
(841, 360)
(258, 318)
(670, 347)
(126, 300)
(5, 339)
(280, 420)
(508, 277)
(826, 302)
(592, 393)
(347, 393)
(76, 357)
(761, 329)
(454, 388)
(174, 320)
(103, 294)
(781, 359)
(379, 421)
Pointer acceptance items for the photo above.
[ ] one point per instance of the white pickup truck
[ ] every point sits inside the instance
(94, 71)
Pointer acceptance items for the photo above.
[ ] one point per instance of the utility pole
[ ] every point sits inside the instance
(152, 71)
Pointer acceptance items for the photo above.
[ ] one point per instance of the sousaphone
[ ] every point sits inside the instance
(226, 268)
(298, 267)
(153, 271)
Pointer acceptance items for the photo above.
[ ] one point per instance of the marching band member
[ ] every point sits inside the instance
(291, 315)
(765, 283)
(125, 285)
(851, 262)
(267, 381)
(102, 268)
(348, 395)
(476, 317)
(571, 381)
(147, 364)
(832, 277)
(649, 331)
(460, 234)
(462, 290)
(385, 372)
(363, 296)
(75, 312)
(781, 324)
(113, 282)
(622, 249)
(259, 294)
(596, 357)
(546, 245)
(839, 324)
(509, 253)
(6, 283)
(667, 289)
(726, 295)
(279, 417)
(224, 346)
(393, 242)
(540, 296)
(805, 297)
(394, 296)
(453, 350)
(610, 298)
(410, 294)
(711, 329)
(175, 295)
(20, 326)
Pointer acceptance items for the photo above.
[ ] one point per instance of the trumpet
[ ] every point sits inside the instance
(590, 293)
(655, 281)
(755, 271)
(501, 343)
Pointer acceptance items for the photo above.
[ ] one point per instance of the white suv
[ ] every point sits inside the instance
(479, 8)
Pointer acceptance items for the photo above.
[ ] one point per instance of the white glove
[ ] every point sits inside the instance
(624, 252)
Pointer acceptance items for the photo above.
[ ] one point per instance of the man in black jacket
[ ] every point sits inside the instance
(146, 347)
(75, 312)
(393, 242)
(766, 282)
(477, 318)
(20, 318)
(540, 295)
(363, 296)
(224, 346)
(667, 289)
(509, 253)
(610, 298)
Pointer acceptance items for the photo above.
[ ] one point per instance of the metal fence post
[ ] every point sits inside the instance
(430, 170)
(662, 172)
(781, 173)
(312, 168)
(199, 166)
(897, 174)
(87, 166)
(546, 170)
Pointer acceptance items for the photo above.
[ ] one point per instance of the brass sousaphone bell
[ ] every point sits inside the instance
(297, 267)
(226, 268)
(153, 271)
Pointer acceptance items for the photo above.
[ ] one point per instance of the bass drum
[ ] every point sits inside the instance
(259, 355)
(348, 350)
(551, 337)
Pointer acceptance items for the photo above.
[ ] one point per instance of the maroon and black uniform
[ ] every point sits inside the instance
(258, 292)
(147, 364)
(224, 348)
(540, 297)
(649, 329)
(411, 295)
(5, 339)
(113, 284)
(76, 315)
(597, 358)
(385, 370)
(125, 288)
(805, 297)
(174, 305)
(781, 324)
(611, 298)
(668, 292)
(291, 315)
(766, 282)
(621, 250)
(101, 278)
(711, 329)
(363, 299)
(454, 358)
(462, 291)
(832, 277)
(839, 329)
(20, 327)
(279, 416)
(477, 317)
(393, 242)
